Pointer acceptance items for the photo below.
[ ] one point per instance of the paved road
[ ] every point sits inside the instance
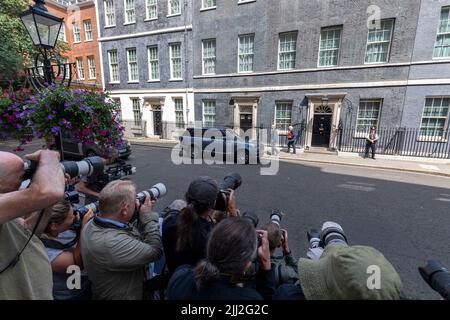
(406, 216)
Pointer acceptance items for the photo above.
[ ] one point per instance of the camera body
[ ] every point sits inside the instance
(81, 211)
(231, 181)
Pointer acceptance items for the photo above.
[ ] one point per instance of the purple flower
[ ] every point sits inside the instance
(50, 117)
(66, 105)
(83, 107)
(56, 129)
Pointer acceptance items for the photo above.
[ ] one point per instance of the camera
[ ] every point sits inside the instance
(81, 211)
(157, 191)
(437, 277)
(72, 196)
(114, 173)
(86, 167)
(231, 181)
(275, 217)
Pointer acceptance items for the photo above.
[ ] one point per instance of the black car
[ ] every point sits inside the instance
(242, 149)
(73, 147)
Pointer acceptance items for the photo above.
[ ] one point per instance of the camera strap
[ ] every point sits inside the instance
(54, 244)
(16, 259)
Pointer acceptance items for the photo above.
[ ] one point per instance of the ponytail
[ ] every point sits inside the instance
(204, 272)
(188, 216)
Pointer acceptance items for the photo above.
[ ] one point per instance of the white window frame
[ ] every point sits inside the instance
(278, 104)
(295, 34)
(80, 68)
(150, 63)
(88, 31)
(341, 28)
(62, 33)
(211, 59)
(207, 6)
(76, 31)
(149, 4)
(362, 134)
(445, 34)
(177, 112)
(129, 64)
(111, 78)
(171, 46)
(446, 123)
(112, 14)
(392, 20)
(252, 54)
(91, 67)
(125, 12)
(118, 103)
(169, 10)
(204, 102)
(137, 121)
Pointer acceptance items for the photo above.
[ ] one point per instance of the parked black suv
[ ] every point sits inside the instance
(244, 149)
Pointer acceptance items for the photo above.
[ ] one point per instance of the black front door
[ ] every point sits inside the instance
(246, 121)
(157, 123)
(321, 130)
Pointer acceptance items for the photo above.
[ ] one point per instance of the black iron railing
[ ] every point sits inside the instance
(413, 142)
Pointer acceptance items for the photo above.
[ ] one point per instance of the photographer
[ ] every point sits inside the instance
(25, 272)
(91, 186)
(115, 252)
(231, 249)
(64, 250)
(343, 272)
(185, 235)
(285, 266)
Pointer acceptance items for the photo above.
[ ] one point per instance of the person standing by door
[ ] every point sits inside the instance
(371, 142)
(274, 138)
(292, 139)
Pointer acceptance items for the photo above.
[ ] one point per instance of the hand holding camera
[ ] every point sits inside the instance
(88, 216)
(263, 249)
(284, 242)
(145, 207)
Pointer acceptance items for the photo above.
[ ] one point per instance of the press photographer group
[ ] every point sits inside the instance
(200, 247)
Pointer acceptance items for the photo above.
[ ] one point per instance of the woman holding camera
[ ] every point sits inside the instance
(232, 247)
(185, 235)
(64, 250)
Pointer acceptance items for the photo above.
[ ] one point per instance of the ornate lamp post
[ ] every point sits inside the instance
(44, 28)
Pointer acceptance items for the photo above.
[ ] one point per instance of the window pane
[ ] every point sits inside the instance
(287, 50)
(442, 45)
(434, 117)
(330, 40)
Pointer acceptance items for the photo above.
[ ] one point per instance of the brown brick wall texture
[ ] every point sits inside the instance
(84, 49)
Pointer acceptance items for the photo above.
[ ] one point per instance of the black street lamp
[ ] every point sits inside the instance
(43, 28)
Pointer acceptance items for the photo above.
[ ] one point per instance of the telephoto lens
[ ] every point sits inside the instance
(157, 191)
(87, 167)
(275, 217)
(252, 217)
(231, 181)
(437, 277)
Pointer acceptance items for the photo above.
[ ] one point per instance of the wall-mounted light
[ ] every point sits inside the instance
(325, 101)
(231, 103)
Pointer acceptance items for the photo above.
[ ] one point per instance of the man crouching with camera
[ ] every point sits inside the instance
(115, 253)
(25, 272)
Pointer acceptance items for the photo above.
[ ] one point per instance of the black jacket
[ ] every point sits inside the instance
(182, 287)
(191, 256)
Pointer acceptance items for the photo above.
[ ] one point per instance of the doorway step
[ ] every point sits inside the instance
(320, 150)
